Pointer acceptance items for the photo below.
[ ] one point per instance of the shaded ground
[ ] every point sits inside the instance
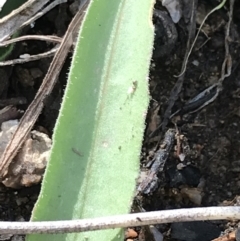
(211, 135)
(209, 174)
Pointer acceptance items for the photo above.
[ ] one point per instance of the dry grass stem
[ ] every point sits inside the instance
(122, 221)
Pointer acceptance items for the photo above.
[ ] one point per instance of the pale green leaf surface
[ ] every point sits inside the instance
(102, 117)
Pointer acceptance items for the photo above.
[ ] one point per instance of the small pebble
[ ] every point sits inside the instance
(130, 233)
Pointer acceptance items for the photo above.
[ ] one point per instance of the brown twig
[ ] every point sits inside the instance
(42, 12)
(47, 38)
(35, 108)
(30, 58)
(11, 23)
(23, 16)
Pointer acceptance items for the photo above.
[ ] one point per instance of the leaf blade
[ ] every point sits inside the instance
(102, 123)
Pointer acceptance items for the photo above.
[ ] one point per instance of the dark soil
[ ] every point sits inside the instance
(212, 135)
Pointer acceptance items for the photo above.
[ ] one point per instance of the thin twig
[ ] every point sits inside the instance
(11, 23)
(47, 38)
(23, 16)
(227, 64)
(219, 6)
(35, 108)
(122, 221)
(43, 11)
(30, 58)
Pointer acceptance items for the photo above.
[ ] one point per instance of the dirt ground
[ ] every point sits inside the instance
(209, 173)
(204, 163)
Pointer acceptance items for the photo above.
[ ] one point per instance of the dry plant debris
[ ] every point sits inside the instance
(35, 108)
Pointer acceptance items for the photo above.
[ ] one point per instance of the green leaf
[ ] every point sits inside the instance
(97, 140)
